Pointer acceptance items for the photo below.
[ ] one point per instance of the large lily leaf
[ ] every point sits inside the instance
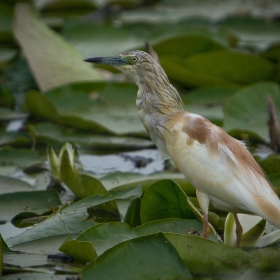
(165, 199)
(36, 202)
(72, 219)
(147, 257)
(52, 61)
(204, 257)
(247, 110)
(100, 107)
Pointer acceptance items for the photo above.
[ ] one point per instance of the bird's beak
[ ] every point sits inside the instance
(114, 61)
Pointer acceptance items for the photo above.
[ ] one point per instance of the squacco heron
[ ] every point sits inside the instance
(219, 166)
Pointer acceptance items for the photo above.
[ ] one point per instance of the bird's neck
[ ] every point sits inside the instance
(158, 98)
(155, 103)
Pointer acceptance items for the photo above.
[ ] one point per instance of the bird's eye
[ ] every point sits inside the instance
(134, 59)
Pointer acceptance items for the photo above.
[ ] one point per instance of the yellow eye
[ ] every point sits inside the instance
(134, 59)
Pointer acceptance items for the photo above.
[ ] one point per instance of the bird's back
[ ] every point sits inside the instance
(219, 166)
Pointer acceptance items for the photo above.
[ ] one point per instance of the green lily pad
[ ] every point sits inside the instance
(122, 180)
(72, 219)
(19, 157)
(205, 257)
(148, 257)
(176, 70)
(106, 235)
(89, 106)
(132, 216)
(42, 46)
(9, 115)
(24, 260)
(54, 134)
(247, 110)
(11, 185)
(35, 202)
(82, 250)
(43, 246)
(234, 67)
(187, 45)
(215, 94)
(165, 199)
(254, 32)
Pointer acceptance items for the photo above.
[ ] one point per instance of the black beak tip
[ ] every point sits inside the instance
(87, 60)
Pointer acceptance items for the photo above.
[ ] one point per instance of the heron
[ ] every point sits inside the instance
(219, 166)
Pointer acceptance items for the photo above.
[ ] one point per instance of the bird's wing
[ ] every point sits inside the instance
(232, 152)
(245, 169)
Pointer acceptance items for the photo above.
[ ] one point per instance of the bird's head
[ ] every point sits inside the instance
(136, 64)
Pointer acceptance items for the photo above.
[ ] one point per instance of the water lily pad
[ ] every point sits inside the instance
(91, 106)
(72, 219)
(42, 46)
(82, 250)
(247, 110)
(11, 185)
(106, 235)
(178, 72)
(165, 199)
(43, 246)
(122, 180)
(35, 202)
(54, 134)
(232, 66)
(186, 45)
(215, 94)
(148, 257)
(19, 157)
(132, 216)
(204, 257)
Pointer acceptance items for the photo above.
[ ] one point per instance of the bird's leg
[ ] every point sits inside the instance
(204, 200)
(239, 231)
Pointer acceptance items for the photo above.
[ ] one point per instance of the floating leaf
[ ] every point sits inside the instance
(247, 110)
(82, 250)
(148, 257)
(91, 106)
(122, 180)
(165, 199)
(19, 157)
(72, 219)
(12, 185)
(186, 45)
(215, 94)
(42, 46)
(132, 216)
(203, 256)
(231, 66)
(106, 235)
(54, 134)
(177, 71)
(35, 202)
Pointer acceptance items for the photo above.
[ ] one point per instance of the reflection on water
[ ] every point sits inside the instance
(143, 161)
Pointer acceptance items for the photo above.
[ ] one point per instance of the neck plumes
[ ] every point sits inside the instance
(156, 99)
(158, 96)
